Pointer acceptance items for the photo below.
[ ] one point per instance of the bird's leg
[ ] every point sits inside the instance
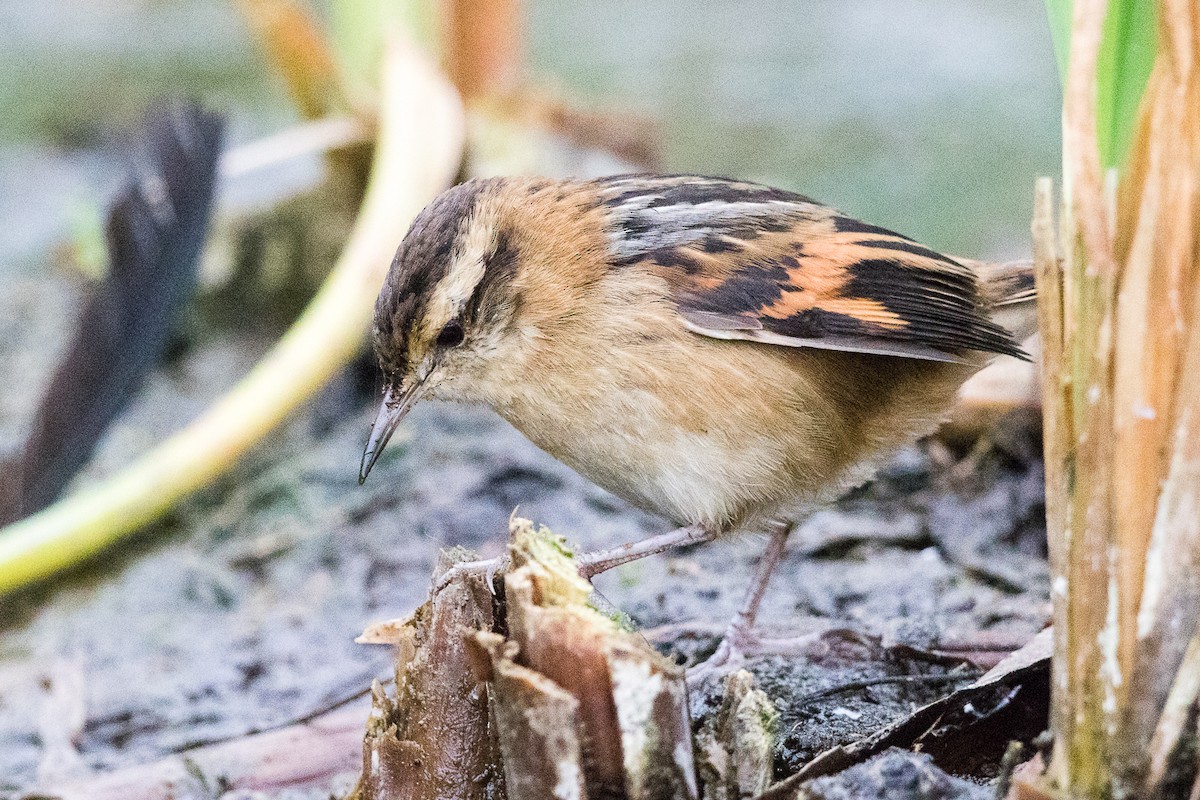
(739, 634)
(598, 561)
(595, 562)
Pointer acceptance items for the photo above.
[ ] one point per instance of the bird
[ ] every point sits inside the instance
(724, 354)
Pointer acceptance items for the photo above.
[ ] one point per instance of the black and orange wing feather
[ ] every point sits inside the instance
(746, 261)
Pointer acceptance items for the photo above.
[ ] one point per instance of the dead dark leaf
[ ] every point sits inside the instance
(965, 732)
(156, 227)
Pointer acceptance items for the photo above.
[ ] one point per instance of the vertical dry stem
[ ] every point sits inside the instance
(1122, 406)
(1059, 456)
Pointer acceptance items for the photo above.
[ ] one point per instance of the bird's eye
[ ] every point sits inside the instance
(451, 335)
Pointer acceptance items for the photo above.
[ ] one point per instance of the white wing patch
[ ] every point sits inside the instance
(643, 222)
(701, 323)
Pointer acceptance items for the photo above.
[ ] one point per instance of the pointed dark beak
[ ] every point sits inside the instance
(396, 404)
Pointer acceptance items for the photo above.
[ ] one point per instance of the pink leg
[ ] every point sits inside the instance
(603, 560)
(591, 564)
(739, 634)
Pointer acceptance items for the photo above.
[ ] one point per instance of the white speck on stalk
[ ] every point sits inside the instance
(1109, 640)
(569, 780)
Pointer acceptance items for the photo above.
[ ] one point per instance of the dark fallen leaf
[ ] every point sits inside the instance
(155, 229)
(966, 732)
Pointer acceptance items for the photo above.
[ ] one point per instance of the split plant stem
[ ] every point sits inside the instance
(1119, 306)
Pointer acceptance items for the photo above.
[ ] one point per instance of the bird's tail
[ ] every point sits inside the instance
(1011, 295)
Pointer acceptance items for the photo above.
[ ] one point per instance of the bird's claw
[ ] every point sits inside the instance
(486, 567)
(730, 653)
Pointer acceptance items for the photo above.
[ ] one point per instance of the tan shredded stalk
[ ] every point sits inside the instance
(1059, 455)
(294, 43)
(1122, 411)
(482, 46)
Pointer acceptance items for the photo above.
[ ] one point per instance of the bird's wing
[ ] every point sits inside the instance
(746, 261)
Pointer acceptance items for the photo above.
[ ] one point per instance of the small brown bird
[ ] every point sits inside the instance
(722, 353)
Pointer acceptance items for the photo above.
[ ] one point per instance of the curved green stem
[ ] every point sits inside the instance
(417, 155)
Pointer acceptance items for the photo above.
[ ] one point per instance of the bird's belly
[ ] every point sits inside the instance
(629, 446)
(688, 481)
(718, 435)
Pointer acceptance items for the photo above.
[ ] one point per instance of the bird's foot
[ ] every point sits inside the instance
(740, 643)
(736, 644)
(740, 636)
(487, 568)
(590, 564)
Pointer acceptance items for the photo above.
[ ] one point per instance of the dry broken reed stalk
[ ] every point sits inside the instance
(536, 695)
(1121, 382)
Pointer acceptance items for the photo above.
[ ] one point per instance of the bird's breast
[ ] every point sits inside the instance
(627, 443)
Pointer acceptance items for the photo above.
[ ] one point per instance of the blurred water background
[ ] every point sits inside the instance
(929, 116)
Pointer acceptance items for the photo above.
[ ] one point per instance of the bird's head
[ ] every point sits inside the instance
(445, 316)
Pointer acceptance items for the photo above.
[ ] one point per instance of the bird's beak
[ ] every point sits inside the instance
(392, 410)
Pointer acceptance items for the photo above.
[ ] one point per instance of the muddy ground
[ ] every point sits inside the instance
(239, 614)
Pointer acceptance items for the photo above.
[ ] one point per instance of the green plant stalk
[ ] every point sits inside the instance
(418, 153)
(1059, 14)
(1126, 57)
